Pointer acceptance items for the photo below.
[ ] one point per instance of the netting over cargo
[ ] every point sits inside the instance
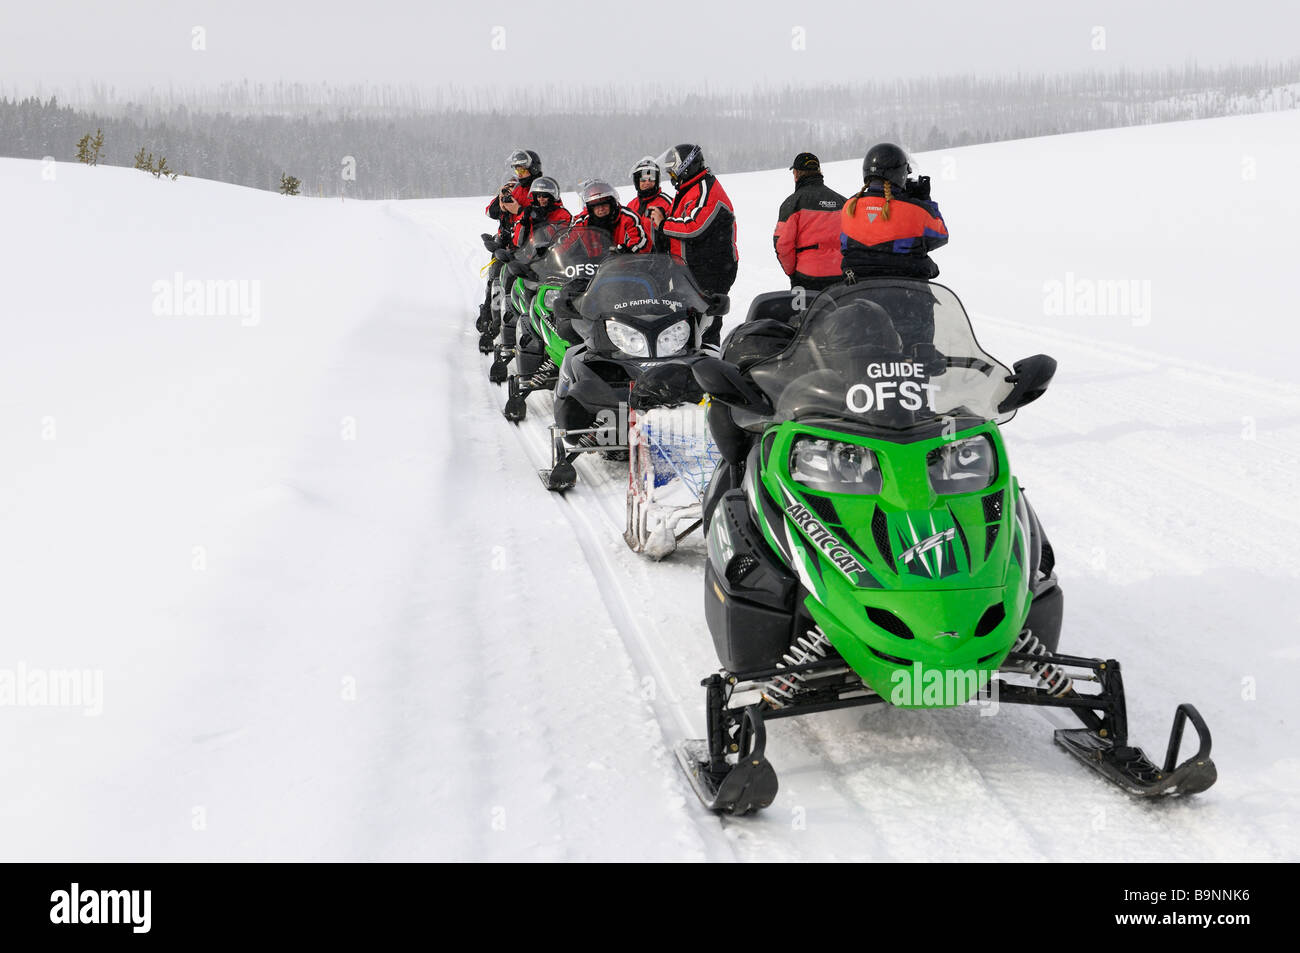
(679, 447)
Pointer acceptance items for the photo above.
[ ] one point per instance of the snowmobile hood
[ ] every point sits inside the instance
(899, 569)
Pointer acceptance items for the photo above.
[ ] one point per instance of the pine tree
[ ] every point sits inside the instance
(83, 150)
(289, 184)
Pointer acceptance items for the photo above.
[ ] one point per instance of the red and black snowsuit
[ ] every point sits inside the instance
(624, 226)
(506, 221)
(701, 230)
(807, 234)
(535, 215)
(642, 204)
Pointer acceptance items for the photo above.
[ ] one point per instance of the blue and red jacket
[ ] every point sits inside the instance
(899, 245)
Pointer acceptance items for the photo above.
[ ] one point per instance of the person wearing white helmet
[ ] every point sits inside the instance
(544, 208)
(602, 209)
(649, 194)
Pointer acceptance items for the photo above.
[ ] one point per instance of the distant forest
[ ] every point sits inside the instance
(411, 143)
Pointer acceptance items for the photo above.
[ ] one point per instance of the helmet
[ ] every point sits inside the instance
(646, 164)
(545, 185)
(510, 181)
(886, 161)
(595, 191)
(861, 321)
(525, 159)
(682, 162)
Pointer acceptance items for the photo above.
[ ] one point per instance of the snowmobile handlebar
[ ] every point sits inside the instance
(724, 382)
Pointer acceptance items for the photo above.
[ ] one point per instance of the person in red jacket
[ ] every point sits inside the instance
(602, 209)
(701, 228)
(645, 177)
(505, 208)
(807, 235)
(544, 208)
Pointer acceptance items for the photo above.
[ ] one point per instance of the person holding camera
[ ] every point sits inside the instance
(890, 227)
(506, 209)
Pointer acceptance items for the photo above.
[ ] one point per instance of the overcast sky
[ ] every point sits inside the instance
(140, 43)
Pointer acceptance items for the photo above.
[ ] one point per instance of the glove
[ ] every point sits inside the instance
(930, 358)
(489, 241)
(920, 188)
(501, 255)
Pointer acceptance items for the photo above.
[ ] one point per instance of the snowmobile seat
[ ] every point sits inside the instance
(775, 306)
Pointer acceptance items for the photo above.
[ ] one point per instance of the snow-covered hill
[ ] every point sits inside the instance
(324, 610)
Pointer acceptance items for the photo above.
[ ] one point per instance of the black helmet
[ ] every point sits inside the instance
(886, 161)
(682, 162)
(525, 159)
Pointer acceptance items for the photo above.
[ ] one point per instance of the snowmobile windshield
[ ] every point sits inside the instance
(573, 253)
(539, 242)
(642, 286)
(887, 353)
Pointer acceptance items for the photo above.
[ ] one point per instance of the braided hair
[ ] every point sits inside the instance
(884, 211)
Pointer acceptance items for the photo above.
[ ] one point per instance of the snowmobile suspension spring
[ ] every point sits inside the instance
(1051, 677)
(807, 648)
(538, 380)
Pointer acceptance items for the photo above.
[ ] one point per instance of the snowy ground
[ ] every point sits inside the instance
(335, 616)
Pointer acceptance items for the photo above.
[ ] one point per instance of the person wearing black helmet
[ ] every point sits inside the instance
(701, 227)
(506, 208)
(890, 227)
(649, 194)
(807, 233)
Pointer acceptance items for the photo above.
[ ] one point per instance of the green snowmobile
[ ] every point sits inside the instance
(868, 542)
(543, 292)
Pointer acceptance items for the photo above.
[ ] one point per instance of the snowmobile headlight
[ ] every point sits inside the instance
(549, 297)
(834, 467)
(673, 341)
(964, 466)
(628, 340)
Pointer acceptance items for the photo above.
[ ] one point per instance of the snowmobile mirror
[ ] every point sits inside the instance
(1029, 378)
(723, 382)
(719, 304)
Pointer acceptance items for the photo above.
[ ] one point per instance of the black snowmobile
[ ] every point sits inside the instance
(641, 320)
